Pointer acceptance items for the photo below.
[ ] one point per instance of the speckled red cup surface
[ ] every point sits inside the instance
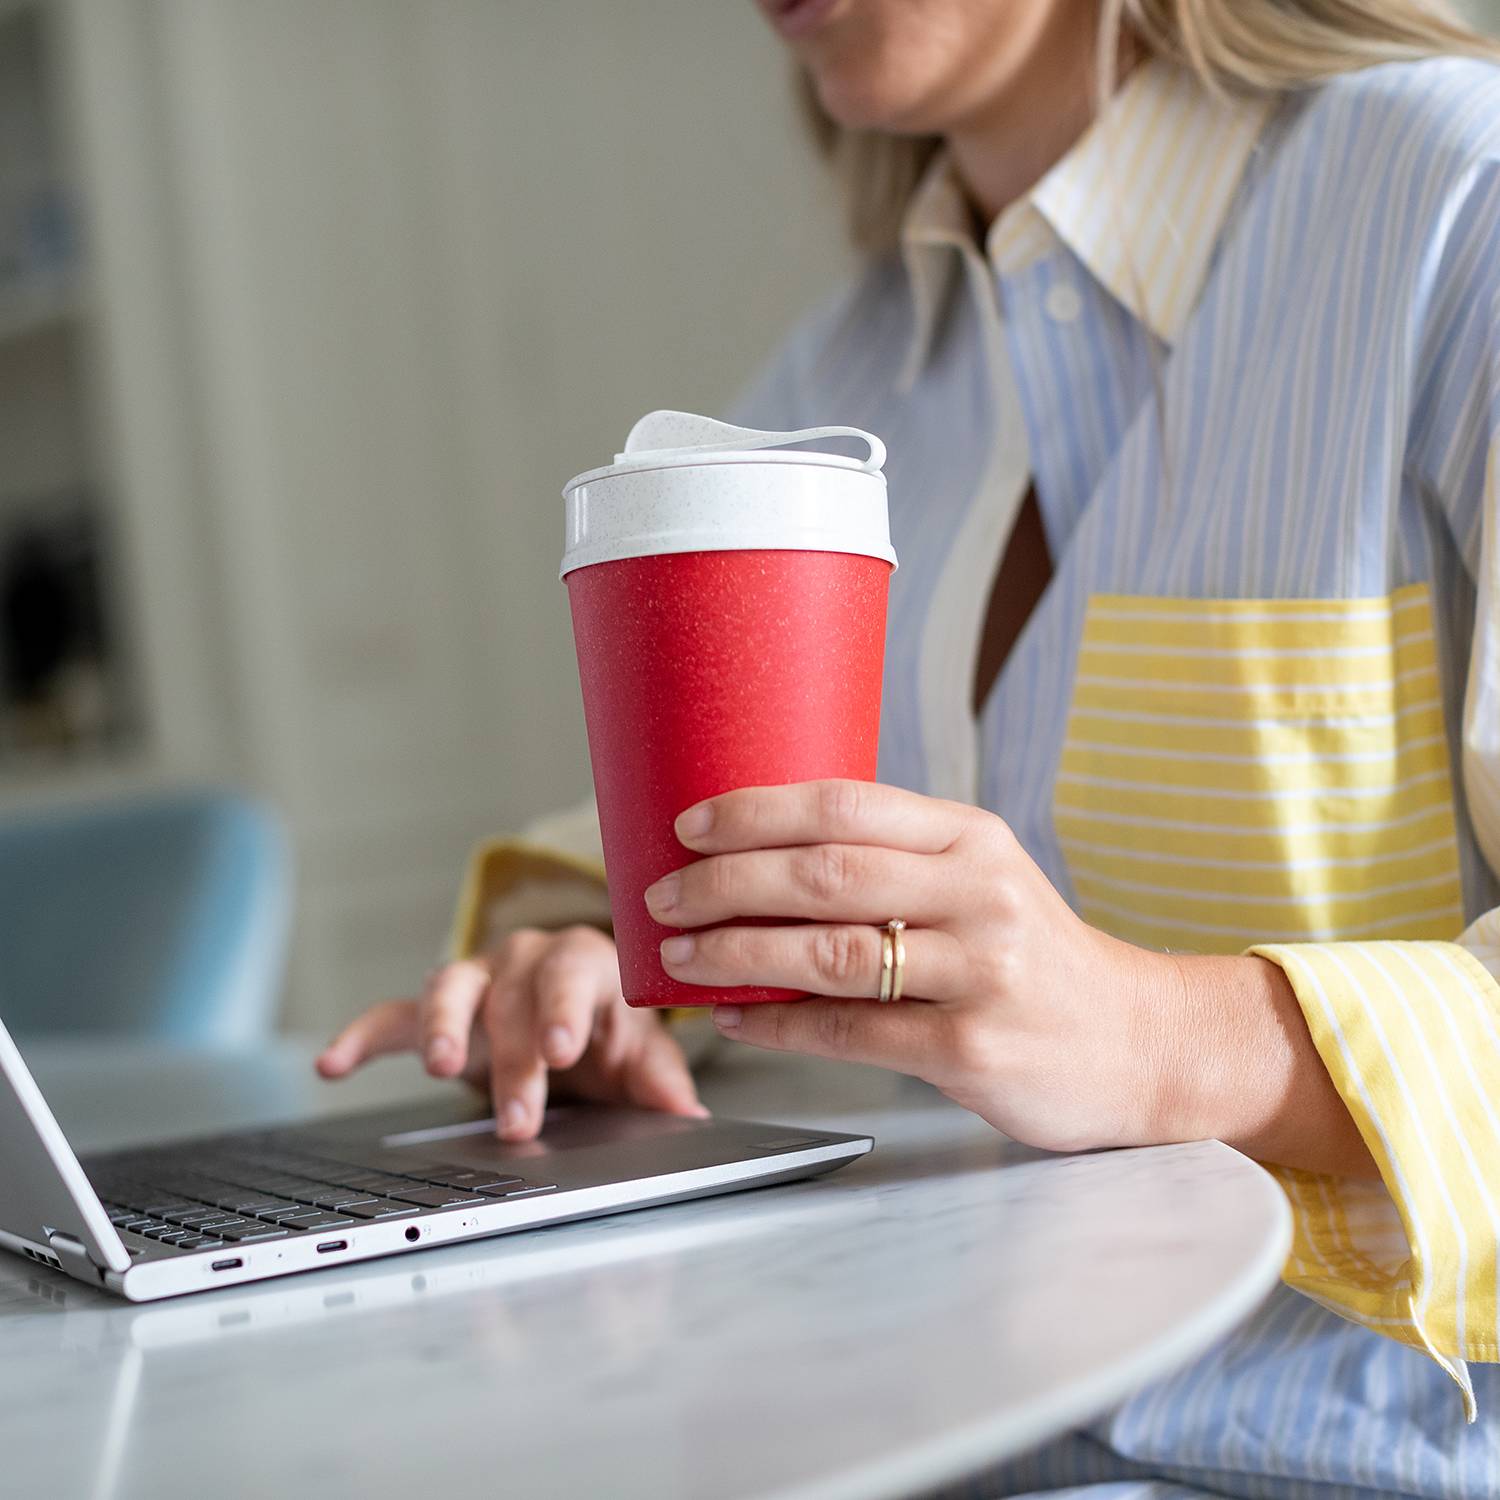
(707, 671)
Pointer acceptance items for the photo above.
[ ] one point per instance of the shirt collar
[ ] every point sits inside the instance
(1140, 199)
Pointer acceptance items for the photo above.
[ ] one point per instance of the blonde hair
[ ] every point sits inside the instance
(1234, 46)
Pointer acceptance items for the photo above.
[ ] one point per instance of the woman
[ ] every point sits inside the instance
(1192, 803)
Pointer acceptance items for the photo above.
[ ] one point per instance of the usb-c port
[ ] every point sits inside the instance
(228, 1265)
(329, 1246)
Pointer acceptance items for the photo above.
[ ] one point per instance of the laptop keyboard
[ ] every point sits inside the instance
(197, 1199)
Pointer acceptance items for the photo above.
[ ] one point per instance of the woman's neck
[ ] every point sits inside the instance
(1004, 148)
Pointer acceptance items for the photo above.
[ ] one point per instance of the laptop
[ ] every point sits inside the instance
(210, 1211)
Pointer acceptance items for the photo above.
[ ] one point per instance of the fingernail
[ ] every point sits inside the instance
(557, 1041)
(514, 1116)
(727, 1017)
(663, 895)
(677, 950)
(696, 821)
(439, 1051)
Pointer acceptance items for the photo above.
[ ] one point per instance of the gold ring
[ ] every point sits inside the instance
(892, 961)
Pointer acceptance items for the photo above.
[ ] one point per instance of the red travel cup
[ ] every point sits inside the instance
(729, 607)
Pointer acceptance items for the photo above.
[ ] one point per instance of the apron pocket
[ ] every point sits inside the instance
(1259, 770)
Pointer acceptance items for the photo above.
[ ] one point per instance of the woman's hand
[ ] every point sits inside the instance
(1053, 1031)
(544, 1005)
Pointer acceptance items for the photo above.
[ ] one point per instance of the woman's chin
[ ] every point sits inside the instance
(861, 103)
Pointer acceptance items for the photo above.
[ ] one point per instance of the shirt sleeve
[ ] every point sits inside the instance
(550, 876)
(1410, 1031)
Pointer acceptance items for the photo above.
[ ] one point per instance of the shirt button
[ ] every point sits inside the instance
(1063, 303)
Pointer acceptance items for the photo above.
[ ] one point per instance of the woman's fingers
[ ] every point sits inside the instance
(518, 1076)
(449, 1004)
(577, 974)
(657, 1075)
(822, 812)
(836, 960)
(903, 1037)
(545, 1000)
(824, 882)
(391, 1027)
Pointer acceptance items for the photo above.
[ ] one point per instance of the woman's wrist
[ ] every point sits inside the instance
(1229, 1057)
(1193, 1038)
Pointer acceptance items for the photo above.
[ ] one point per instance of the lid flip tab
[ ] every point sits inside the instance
(673, 434)
(686, 483)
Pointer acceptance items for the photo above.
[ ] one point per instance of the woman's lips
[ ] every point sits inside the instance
(795, 18)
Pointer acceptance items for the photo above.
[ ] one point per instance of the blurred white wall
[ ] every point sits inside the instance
(376, 276)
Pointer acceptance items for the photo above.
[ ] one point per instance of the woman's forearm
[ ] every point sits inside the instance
(1236, 1062)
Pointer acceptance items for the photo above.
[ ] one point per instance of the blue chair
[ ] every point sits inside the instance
(161, 917)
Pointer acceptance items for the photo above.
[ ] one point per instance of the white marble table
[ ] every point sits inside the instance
(948, 1301)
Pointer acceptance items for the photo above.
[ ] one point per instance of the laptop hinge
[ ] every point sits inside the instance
(76, 1260)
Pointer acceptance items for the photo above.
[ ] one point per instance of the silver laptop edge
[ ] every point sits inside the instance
(50, 1212)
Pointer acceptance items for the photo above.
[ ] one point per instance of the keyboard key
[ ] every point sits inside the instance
(385, 1184)
(248, 1202)
(127, 1198)
(474, 1180)
(437, 1197)
(320, 1221)
(268, 1208)
(199, 1242)
(288, 1187)
(400, 1163)
(252, 1231)
(516, 1190)
(377, 1208)
(197, 1220)
(164, 1208)
(199, 1189)
(337, 1197)
(313, 1167)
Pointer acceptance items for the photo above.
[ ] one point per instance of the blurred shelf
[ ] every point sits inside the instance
(28, 310)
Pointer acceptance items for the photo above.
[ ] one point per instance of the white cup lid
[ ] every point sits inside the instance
(686, 483)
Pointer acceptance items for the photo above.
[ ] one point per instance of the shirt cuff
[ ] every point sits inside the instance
(513, 883)
(1410, 1035)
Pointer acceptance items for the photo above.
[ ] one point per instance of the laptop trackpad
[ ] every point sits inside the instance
(564, 1127)
(593, 1137)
